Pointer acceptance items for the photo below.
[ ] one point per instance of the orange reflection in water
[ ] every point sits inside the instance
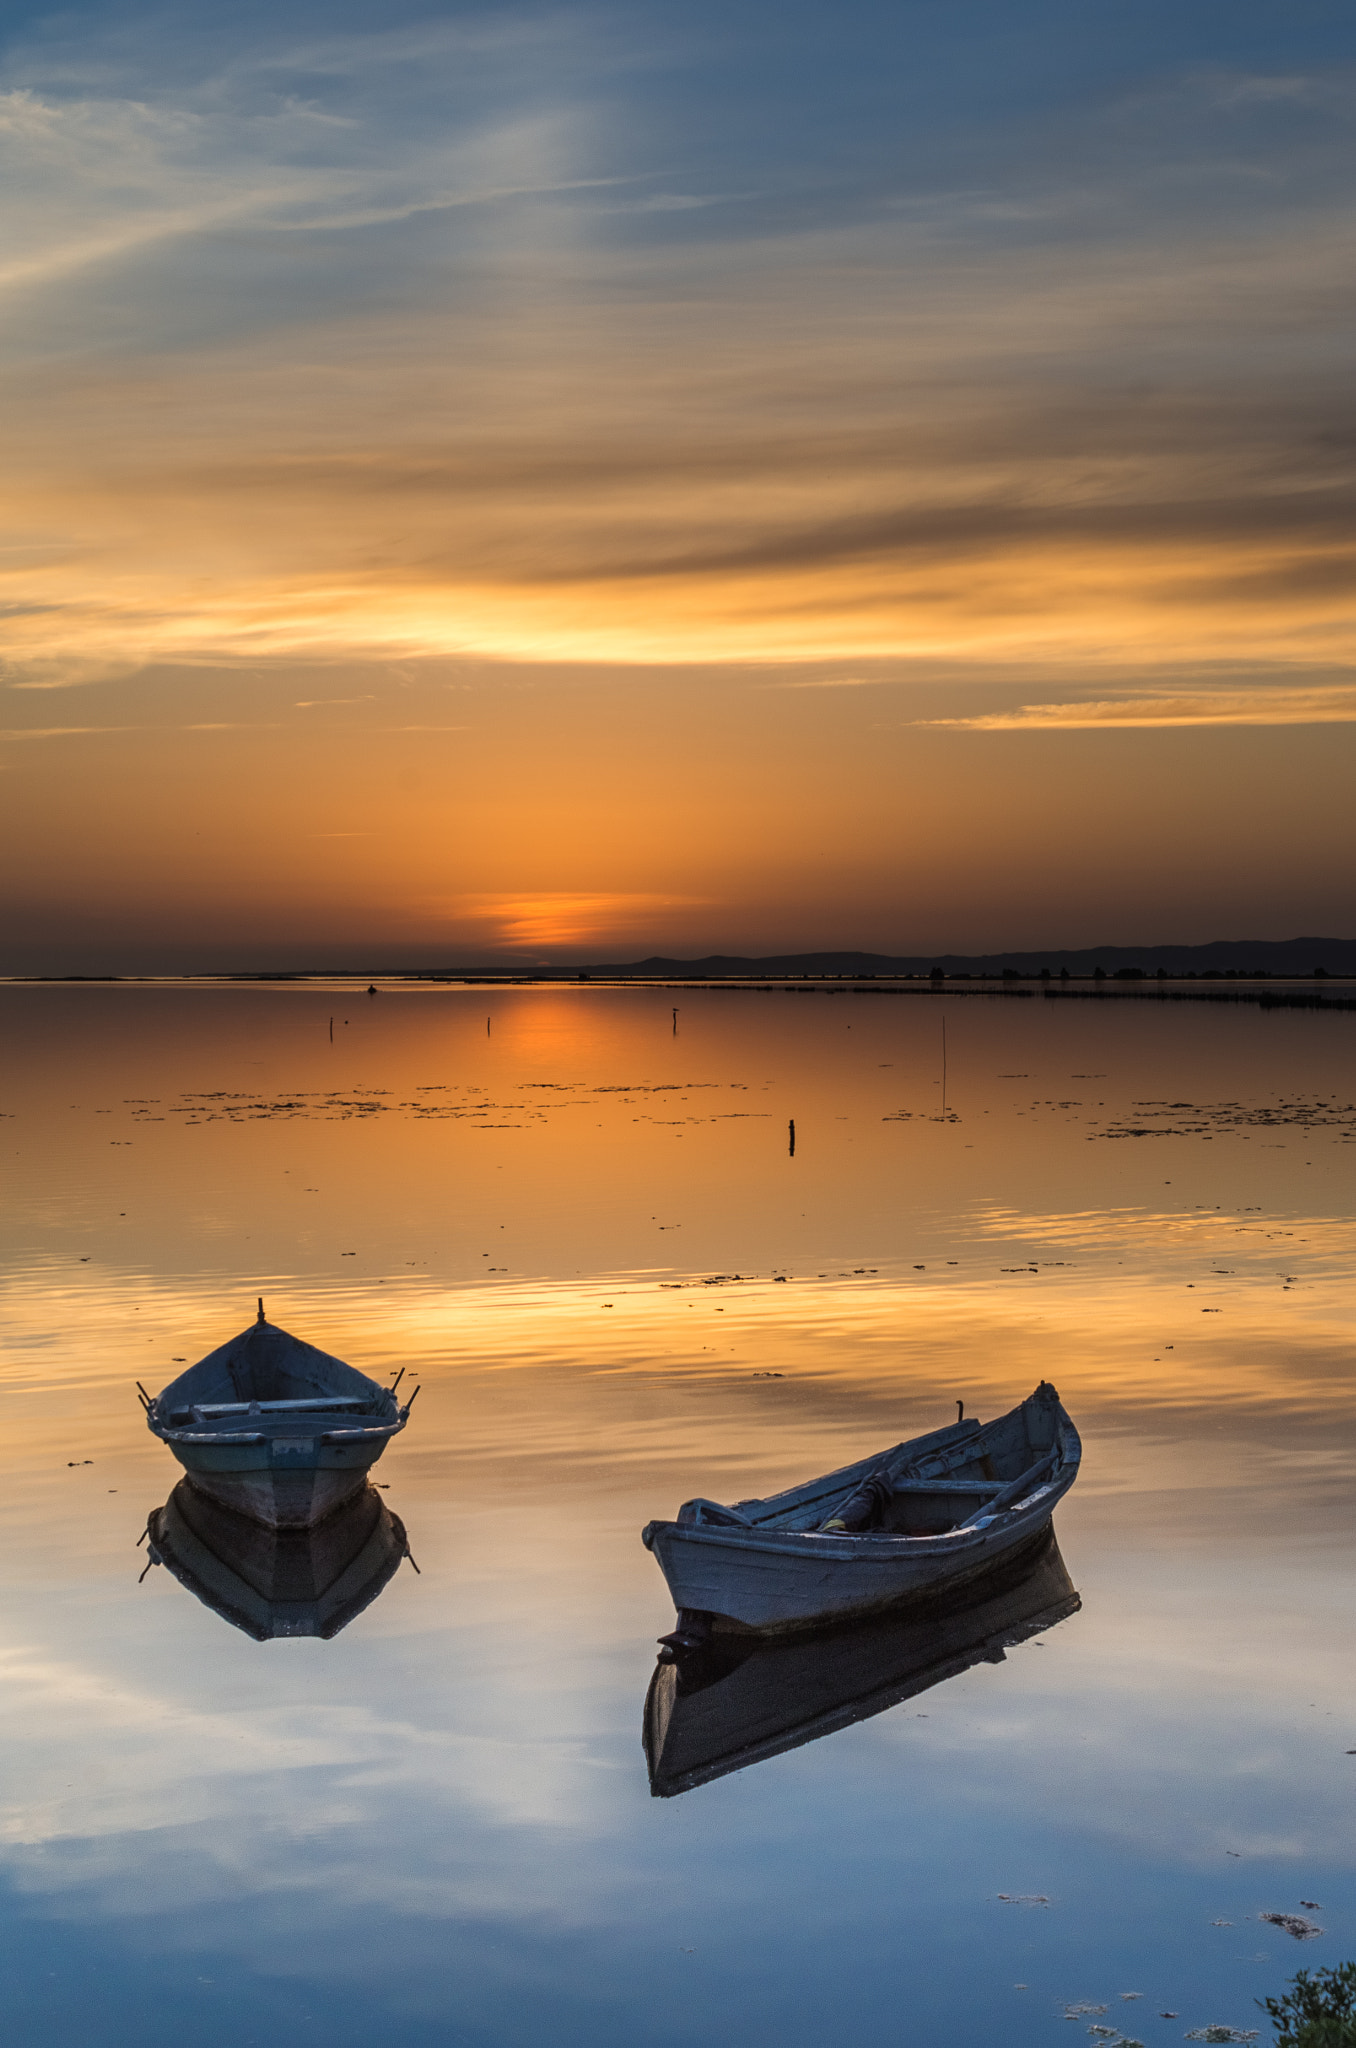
(583, 1229)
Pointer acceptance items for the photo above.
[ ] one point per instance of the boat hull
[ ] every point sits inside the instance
(785, 1564)
(283, 1484)
(776, 1586)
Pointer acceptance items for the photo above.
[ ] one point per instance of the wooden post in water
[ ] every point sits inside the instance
(791, 1131)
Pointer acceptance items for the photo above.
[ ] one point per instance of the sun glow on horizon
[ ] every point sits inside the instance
(455, 406)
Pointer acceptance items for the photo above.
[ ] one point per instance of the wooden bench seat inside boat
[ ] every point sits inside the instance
(272, 1415)
(211, 1409)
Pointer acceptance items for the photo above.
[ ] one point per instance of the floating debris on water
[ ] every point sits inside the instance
(1164, 1119)
(1294, 1924)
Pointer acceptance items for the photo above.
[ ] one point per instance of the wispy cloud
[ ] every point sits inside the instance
(1294, 704)
(343, 415)
(828, 683)
(66, 732)
(948, 428)
(60, 732)
(69, 732)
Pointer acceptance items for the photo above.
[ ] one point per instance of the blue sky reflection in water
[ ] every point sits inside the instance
(572, 1227)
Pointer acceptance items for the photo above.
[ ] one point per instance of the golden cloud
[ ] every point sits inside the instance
(1299, 703)
(932, 436)
(556, 917)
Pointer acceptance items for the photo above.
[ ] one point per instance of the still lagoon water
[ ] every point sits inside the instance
(578, 1222)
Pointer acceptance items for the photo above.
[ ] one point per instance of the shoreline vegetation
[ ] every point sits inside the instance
(1319, 2010)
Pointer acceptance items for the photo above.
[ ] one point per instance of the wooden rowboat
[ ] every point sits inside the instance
(275, 1429)
(922, 1518)
(739, 1699)
(279, 1582)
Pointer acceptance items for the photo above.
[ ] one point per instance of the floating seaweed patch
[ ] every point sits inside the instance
(430, 1100)
(1194, 1120)
(1294, 1924)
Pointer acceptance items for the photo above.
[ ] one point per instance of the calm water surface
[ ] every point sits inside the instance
(584, 1234)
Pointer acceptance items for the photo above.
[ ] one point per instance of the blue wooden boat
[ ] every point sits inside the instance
(279, 1582)
(924, 1517)
(275, 1429)
(738, 1699)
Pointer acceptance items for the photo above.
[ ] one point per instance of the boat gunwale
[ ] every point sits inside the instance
(872, 1546)
(761, 1533)
(204, 1434)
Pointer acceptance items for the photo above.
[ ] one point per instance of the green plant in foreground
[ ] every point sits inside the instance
(1319, 2010)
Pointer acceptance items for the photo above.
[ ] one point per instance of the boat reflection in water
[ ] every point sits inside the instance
(739, 1698)
(279, 1582)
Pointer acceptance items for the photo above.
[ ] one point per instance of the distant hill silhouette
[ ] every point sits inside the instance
(1268, 956)
(1335, 957)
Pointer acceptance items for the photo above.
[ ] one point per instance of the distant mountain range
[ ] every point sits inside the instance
(1239, 956)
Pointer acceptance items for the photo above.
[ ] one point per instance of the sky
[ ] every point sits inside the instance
(547, 483)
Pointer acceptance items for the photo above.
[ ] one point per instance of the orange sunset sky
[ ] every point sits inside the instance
(565, 483)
